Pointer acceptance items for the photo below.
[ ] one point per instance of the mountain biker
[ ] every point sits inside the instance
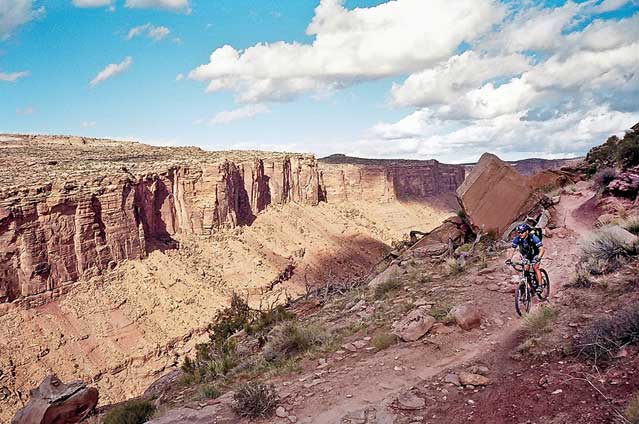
(531, 249)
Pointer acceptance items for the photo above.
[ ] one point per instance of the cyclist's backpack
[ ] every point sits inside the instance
(538, 232)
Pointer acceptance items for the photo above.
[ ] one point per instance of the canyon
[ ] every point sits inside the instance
(114, 256)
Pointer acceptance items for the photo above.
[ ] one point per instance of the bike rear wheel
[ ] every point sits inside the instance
(523, 299)
(545, 286)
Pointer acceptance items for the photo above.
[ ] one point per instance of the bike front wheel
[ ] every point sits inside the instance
(545, 286)
(523, 299)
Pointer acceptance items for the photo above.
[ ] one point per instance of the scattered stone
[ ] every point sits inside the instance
(452, 379)
(408, 401)
(349, 347)
(359, 344)
(281, 412)
(556, 392)
(467, 316)
(414, 325)
(467, 379)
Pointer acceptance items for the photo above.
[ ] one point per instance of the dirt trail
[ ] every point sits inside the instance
(359, 387)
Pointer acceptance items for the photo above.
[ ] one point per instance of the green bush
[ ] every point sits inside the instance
(209, 392)
(628, 151)
(132, 412)
(255, 400)
(290, 338)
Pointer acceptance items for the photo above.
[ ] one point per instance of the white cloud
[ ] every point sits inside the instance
(227, 116)
(88, 124)
(92, 3)
(111, 70)
(13, 76)
(14, 13)
(610, 5)
(162, 4)
(423, 135)
(29, 110)
(151, 31)
(179, 77)
(392, 38)
(448, 80)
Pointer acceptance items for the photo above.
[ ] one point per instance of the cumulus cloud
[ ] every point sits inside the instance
(179, 77)
(14, 13)
(151, 31)
(176, 5)
(392, 38)
(228, 116)
(13, 76)
(92, 3)
(111, 70)
(423, 135)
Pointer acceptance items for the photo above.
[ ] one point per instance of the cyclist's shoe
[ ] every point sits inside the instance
(509, 262)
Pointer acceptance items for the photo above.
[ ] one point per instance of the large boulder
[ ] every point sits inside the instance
(414, 325)
(626, 184)
(466, 316)
(450, 234)
(54, 402)
(493, 195)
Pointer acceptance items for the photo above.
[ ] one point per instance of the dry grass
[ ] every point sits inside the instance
(453, 266)
(603, 250)
(255, 400)
(383, 340)
(538, 322)
(632, 410)
(290, 338)
(132, 412)
(632, 224)
(386, 287)
(605, 336)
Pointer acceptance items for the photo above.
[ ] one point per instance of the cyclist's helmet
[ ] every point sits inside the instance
(522, 228)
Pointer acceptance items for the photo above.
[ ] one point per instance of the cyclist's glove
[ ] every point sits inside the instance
(509, 262)
(536, 260)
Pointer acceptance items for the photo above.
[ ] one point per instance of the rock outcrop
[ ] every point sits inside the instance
(494, 195)
(54, 402)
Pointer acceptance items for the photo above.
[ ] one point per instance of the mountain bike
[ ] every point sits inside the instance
(527, 287)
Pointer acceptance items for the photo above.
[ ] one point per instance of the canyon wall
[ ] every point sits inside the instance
(88, 205)
(58, 237)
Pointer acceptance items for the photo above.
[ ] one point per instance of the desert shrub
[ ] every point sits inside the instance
(628, 151)
(132, 412)
(582, 278)
(440, 312)
(230, 320)
(265, 320)
(383, 340)
(461, 214)
(632, 224)
(255, 400)
(632, 410)
(290, 338)
(209, 392)
(538, 322)
(603, 177)
(605, 249)
(211, 360)
(453, 266)
(386, 287)
(606, 335)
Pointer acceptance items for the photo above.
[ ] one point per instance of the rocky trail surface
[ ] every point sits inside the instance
(419, 381)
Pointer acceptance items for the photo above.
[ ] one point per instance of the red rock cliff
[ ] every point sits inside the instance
(87, 204)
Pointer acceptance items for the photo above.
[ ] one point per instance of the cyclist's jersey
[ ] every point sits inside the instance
(528, 246)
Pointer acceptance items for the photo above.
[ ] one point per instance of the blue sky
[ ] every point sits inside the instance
(408, 78)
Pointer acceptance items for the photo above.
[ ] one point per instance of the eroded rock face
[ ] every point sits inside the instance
(64, 235)
(626, 184)
(494, 195)
(54, 402)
